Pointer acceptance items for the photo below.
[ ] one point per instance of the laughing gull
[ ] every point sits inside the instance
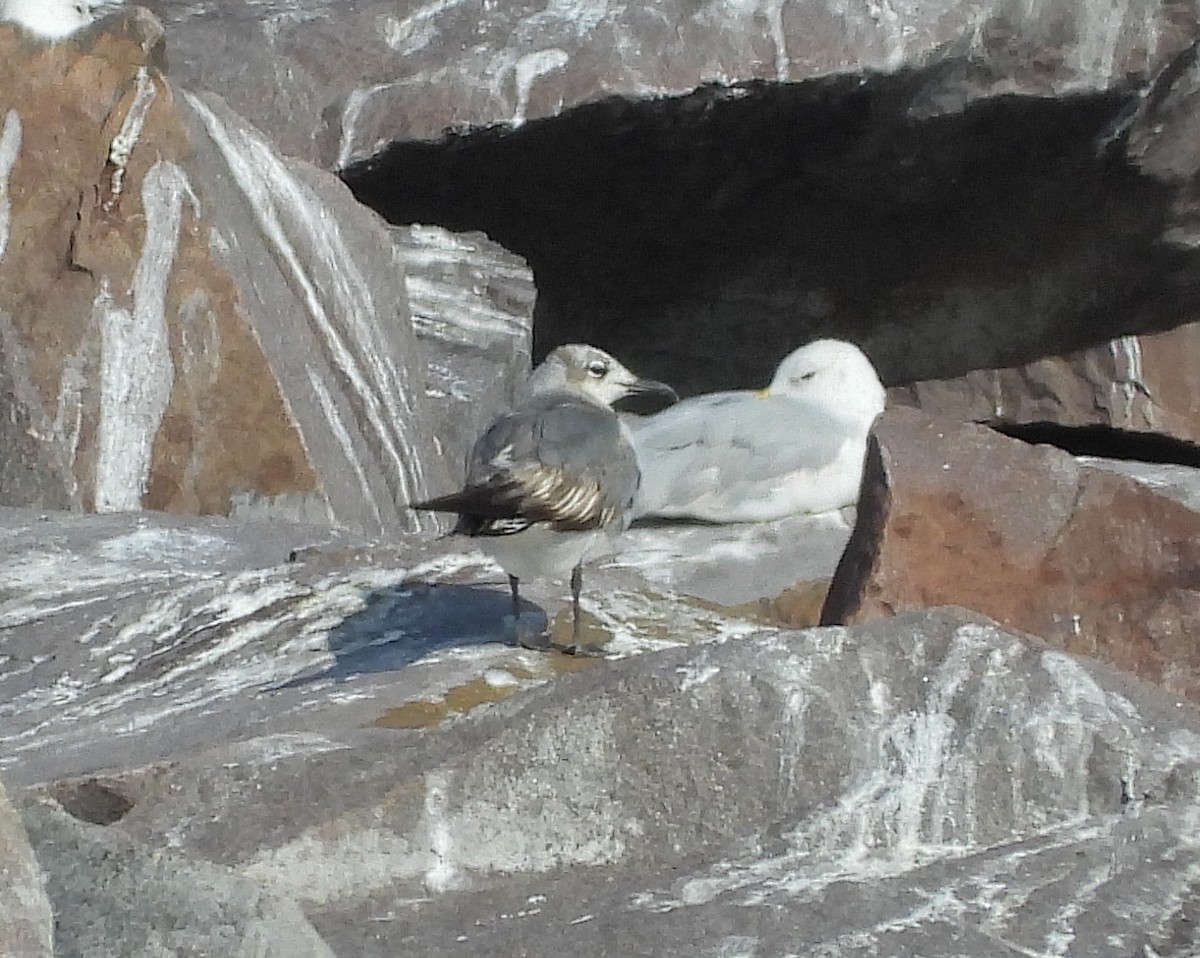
(795, 447)
(551, 484)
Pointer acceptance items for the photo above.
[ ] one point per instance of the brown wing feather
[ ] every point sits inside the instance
(557, 460)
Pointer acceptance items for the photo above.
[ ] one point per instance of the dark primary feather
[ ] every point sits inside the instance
(555, 459)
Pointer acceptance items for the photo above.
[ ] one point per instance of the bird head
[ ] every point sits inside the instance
(834, 373)
(592, 374)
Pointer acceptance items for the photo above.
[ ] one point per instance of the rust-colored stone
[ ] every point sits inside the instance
(1140, 383)
(77, 231)
(956, 514)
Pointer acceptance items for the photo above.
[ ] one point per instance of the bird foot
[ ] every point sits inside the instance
(580, 649)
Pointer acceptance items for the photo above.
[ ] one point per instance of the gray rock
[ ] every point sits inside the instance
(26, 922)
(113, 897)
(135, 638)
(365, 75)
(929, 785)
(472, 310)
(326, 284)
(1138, 384)
(700, 188)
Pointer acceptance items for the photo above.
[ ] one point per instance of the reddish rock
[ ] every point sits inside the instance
(188, 322)
(69, 293)
(1142, 383)
(956, 514)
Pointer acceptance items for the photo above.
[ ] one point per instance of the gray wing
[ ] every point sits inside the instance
(555, 459)
(722, 441)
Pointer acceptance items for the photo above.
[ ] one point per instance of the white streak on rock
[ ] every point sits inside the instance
(336, 295)
(581, 15)
(416, 31)
(691, 676)
(10, 147)
(1127, 351)
(350, 113)
(528, 70)
(1100, 30)
(441, 301)
(774, 12)
(482, 835)
(441, 875)
(121, 148)
(137, 372)
(884, 15)
(342, 435)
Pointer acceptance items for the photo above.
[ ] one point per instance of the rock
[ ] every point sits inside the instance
(26, 923)
(170, 289)
(742, 564)
(1094, 562)
(719, 174)
(1136, 383)
(359, 78)
(115, 897)
(472, 309)
(807, 791)
(134, 638)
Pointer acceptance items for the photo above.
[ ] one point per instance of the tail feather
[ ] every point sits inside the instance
(483, 502)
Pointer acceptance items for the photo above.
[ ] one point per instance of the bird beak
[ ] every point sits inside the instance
(651, 387)
(763, 393)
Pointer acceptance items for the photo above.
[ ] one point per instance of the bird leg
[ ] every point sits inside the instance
(523, 634)
(576, 586)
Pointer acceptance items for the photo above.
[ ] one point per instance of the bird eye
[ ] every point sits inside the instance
(808, 375)
(598, 369)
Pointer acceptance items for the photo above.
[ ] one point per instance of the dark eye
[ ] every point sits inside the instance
(598, 369)
(808, 375)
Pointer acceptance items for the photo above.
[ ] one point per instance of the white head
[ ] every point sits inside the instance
(590, 373)
(52, 19)
(834, 373)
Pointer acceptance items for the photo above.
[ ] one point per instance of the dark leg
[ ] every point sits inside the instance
(516, 596)
(523, 633)
(576, 585)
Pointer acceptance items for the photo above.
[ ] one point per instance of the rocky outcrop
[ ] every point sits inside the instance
(187, 321)
(816, 788)
(955, 189)
(1093, 561)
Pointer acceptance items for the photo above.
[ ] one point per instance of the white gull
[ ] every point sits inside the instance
(744, 456)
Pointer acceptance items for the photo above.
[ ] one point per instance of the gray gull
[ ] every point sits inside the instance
(551, 484)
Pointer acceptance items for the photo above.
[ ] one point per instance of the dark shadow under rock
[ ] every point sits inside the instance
(701, 237)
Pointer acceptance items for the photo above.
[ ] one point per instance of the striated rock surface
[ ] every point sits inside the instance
(187, 322)
(932, 784)
(472, 309)
(26, 923)
(133, 638)
(1093, 561)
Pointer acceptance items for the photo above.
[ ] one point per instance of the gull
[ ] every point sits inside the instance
(551, 484)
(744, 456)
(53, 19)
